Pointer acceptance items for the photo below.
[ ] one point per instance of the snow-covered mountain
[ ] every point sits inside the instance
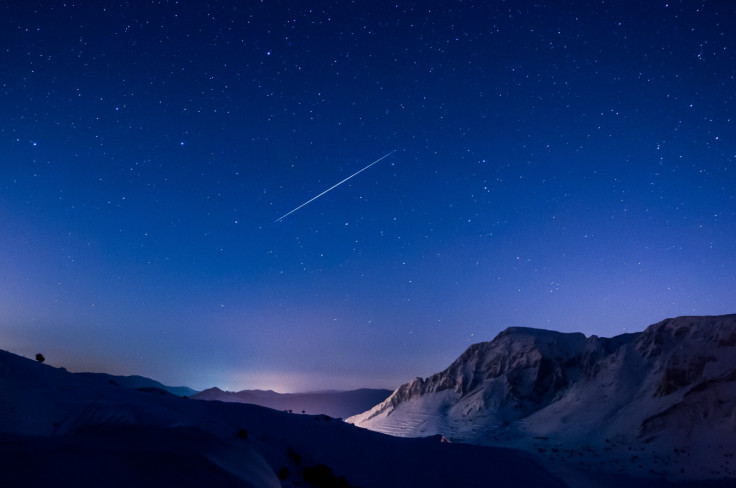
(659, 403)
(338, 404)
(64, 429)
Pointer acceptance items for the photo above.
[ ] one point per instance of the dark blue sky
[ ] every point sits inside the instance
(564, 165)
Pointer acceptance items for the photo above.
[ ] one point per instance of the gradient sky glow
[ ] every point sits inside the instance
(563, 165)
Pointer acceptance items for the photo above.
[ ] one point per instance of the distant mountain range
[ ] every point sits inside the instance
(658, 403)
(338, 404)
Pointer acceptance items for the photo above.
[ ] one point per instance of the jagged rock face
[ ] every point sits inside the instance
(670, 334)
(537, 366)
(677, 375)
(517, 373)
(533, 366)
(681, 349)
(667, 393)
(708, 401)
(681, 370)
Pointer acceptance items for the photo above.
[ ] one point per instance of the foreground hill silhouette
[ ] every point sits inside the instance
(659, 404)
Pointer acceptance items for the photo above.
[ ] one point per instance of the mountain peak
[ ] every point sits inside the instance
(672, 385)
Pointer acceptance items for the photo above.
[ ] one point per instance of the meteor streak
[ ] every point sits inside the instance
(335, 186)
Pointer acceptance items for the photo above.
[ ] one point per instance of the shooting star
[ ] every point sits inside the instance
(335, 186)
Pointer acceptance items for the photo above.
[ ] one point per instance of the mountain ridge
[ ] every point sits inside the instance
(671, 386)
(338, 404)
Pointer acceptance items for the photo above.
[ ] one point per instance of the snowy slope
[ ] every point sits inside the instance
(660, 403)
(62, 429)
(338, 404)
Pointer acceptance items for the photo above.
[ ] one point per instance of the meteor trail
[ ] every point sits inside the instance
(335, 186)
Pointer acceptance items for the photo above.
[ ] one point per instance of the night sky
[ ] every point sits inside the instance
(566, 165)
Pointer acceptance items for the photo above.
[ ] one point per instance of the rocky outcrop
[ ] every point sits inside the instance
(674, 374)
(531, 367)
(674, 384)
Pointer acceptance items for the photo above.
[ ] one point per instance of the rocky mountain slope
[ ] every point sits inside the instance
(660, 403)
